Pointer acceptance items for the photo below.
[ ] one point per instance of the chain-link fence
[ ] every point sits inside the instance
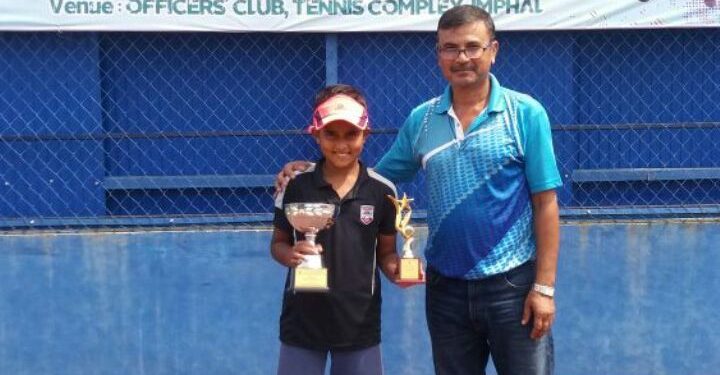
(126, 129)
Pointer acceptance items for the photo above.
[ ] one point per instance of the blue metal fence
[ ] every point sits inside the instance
(174, 128)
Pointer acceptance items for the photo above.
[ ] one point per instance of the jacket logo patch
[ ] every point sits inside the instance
(367, 213)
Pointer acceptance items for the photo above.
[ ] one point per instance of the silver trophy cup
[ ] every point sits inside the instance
(310, 218)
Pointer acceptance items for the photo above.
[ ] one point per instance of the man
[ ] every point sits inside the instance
(493, 215)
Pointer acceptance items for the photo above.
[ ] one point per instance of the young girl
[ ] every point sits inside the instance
(345, 320)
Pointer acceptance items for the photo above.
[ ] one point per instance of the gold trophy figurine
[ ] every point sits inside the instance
(410, 268)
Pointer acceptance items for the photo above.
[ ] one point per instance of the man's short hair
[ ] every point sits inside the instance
(466, 14)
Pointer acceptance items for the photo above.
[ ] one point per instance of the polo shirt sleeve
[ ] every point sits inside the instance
(401, 163)
(288, 195)
(536, 138)
(387, 220)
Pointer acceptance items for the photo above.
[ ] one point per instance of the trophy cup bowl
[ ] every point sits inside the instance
(310, 218)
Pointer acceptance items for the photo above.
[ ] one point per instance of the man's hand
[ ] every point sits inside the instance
(288, 172)
(542, 311)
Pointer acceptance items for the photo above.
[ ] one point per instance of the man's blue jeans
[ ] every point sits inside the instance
(471, 320)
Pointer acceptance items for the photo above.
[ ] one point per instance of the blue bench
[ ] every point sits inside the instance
(581, 176)
(267, 180)
(644, 174)
(189, 182)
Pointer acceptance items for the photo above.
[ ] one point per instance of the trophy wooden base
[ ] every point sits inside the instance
(310, 280)
(410, 271)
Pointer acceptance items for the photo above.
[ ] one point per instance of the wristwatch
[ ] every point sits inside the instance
(545, 290)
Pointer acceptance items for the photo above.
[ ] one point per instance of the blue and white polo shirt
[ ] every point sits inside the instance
(479, 182)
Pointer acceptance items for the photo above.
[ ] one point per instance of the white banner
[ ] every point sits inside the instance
(345, 15)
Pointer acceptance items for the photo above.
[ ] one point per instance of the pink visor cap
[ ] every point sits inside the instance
(339, 108)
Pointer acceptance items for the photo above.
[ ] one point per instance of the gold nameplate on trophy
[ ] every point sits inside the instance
(310, 279)
(410, 268)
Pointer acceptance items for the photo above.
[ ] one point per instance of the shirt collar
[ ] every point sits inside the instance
(319, 179)
(495, 102)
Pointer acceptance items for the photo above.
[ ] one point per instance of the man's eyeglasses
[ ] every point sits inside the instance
(472, 52)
